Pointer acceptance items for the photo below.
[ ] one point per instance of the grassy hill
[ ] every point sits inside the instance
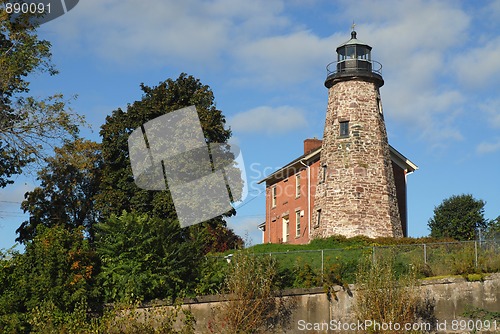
(338, 258)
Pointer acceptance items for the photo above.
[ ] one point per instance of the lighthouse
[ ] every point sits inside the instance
(356, 191)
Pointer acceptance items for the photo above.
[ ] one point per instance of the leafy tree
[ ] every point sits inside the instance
(145, 258)
(217, 238)
(28, 125)
(458, 217)
(68, 185)
(118, 191)
(493, 230)
(57, 268)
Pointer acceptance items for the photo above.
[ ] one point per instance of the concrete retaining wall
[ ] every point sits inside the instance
(314, 313)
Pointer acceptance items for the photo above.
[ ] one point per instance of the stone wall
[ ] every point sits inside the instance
(451, 296)
(358, 195)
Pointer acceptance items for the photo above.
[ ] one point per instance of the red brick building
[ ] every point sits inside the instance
(291, 190)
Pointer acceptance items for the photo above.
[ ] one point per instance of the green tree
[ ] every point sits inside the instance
(493, 230)
(145, 258)
(58, 268)
(28, 125)
(458, 217)
(68, 185)
(118, 191)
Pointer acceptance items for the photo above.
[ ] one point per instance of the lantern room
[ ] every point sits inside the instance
(354, 60)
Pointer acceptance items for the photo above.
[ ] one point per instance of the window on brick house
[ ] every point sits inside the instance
(273, 197)
(297, 223)
(297, 185)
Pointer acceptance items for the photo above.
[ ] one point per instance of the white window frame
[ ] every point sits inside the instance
(297, 185)
(297, 223)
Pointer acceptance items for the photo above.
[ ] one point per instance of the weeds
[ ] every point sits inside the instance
(123, 319)
(383, 297)
(255, 304)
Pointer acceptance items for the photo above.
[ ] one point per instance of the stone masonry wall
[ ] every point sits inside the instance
(358, 194)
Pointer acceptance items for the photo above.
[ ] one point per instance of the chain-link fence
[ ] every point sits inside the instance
(308, 268)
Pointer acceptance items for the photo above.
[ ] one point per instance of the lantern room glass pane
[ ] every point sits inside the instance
(341, 54)
(363, 53)
(350, 52)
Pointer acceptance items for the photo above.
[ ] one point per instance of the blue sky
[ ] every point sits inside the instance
(265, 61)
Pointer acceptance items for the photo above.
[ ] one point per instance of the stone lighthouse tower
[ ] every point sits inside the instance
(356, 192)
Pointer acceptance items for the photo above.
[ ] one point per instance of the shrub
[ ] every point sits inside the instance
(144, 258)
(122, 318)
(305, 277)
(480, 313)
(130, 318)
(464, 262)
(255, 304)
(474, 277)
(382, 297)
(212, 273)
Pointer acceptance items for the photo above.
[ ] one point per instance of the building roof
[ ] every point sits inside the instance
(354, 41)
(313, 156)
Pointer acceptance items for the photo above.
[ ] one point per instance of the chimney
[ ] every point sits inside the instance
(311, 144)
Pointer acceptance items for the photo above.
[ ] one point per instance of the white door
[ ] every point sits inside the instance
(286, 220)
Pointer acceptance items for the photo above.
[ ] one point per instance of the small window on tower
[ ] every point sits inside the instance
(323, 174)
(318, 217)
(379, 106)
(344, 129)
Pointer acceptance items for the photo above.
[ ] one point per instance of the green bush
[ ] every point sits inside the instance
(212, 273)
(305, 276)
(144, 258)
(480, 313)
(57, 269)
(474, 277)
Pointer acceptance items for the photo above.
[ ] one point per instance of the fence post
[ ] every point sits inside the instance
(475, 253)
(425, 254)
(373, 255)
(322, 266)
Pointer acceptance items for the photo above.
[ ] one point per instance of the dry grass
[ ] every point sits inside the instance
(255, 304)
(384, 298)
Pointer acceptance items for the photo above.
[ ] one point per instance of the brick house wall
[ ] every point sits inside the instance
(286, 204)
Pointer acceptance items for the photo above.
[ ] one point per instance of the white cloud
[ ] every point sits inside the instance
(268, 120)
(488, 147)
(259, 44)
(493, 9)
(255, 39)
(491, 108)
(480, 66)
(166, 31)
(16, 191)
(287, 58)
(247, 228)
